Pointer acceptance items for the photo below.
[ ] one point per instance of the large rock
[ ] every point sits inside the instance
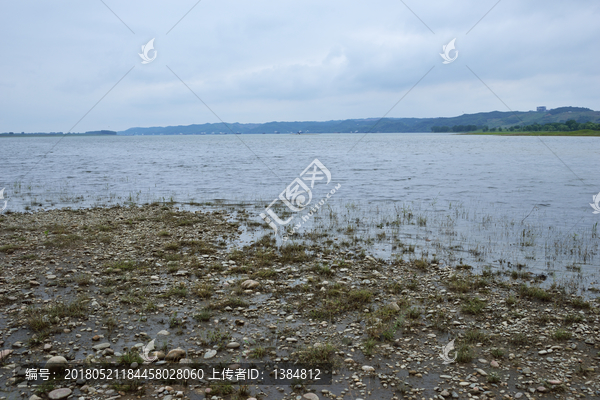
(311, 396)
(210, 354)
(367, 368)
(250, 284)
(56, 363)
(175, 355)
(58, 394)
(5, 353)
(101, 346)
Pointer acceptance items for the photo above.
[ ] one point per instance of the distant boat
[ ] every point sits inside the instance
(299, 132)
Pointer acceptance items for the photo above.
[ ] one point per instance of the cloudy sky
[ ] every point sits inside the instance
(260, 61)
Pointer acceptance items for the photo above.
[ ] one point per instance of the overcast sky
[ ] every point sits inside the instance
(260, 61)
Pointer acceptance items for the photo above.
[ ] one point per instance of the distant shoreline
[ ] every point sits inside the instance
(53, 135)
(584, 132)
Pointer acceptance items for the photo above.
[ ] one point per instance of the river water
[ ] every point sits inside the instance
(483, 183)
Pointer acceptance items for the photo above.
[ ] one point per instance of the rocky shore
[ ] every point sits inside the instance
(97, 285)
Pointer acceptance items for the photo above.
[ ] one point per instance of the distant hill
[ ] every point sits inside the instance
(492, 119)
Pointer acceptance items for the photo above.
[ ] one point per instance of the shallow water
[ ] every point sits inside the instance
(492, 188)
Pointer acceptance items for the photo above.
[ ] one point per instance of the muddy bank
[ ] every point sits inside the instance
(117, 278)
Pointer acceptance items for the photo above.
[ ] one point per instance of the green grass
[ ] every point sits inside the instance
(580, 303)
(293, 253)
(369, 346)
(413, 313)
(582, 132)
(473, 306)
(493, 377)
(203, 316)
(561, 334)
(63, 241)
(573, 318)
(535, 293)
(204, 290)
(176, 291)
(258, 352)
(130, 357)
(172, 246)
(518, 339)
(464, 353)
(41, 319)
(421, 264)
(82, 279)
(323, 270)
(316, 355)
(9, 248)
(475, 336)
(125, 265)
(466, 283)
(266, 273)
(497, 353)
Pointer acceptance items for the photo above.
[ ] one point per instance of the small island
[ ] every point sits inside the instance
(44, 134)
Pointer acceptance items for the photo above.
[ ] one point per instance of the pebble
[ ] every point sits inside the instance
(56, 362)
(101, 346)
(367, 368)
(445, 393)
(163, 333)
(250, 284)
(58, 394)
(210, 354)
(311, 396)
(233, 345)
(175, 355)
(5, 353)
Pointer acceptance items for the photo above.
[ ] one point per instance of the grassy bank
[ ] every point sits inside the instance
(583, 132)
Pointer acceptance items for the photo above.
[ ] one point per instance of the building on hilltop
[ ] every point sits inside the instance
(541, 109)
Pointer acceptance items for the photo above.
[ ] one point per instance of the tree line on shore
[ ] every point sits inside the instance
(568, 126)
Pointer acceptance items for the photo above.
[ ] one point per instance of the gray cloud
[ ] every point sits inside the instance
(265, 60)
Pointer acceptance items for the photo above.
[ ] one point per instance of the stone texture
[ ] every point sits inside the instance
(56, 363)
(210, 354)
(250, 284)
(175, 355)
(101, 346)
(58, 394)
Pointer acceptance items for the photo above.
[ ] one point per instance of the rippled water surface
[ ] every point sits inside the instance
(487, 182)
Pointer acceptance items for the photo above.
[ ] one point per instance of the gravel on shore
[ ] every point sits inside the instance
(96, 285)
